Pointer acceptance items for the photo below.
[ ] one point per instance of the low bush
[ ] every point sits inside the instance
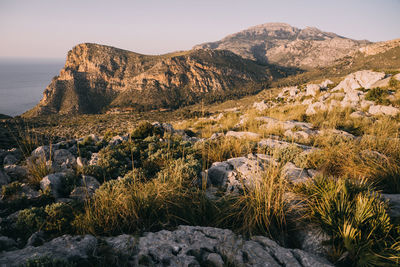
(378, 95)
(356, 219)
(129, 205)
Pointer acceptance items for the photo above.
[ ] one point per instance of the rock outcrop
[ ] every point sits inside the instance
(97, 77)
(186, 246)
(282, 44)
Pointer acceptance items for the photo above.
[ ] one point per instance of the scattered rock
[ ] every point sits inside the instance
(277, 144)
(41, 152)
(295, 174)
(383, 110)
(394, 203)
(242, 135)
(10, 159)
(117, 140)
(231, 175)
(16, 172)
(312, 239)
(261, 106)
(4, 178)
(7, 243)
(312, 108)
(63, 160)
(54, 181)
(88, 186)
(312, 89)
(36, 239)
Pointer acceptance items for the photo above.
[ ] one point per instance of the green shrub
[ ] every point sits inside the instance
(47, 261)
(356, 219)
(55, 219)
(30, 221)
(378, 95)
(10, 189)
(394, 83)
(145, 129)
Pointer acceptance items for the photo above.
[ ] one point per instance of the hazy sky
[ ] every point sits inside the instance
(49, 28)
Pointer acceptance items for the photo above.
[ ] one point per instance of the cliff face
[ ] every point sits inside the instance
(97, 77)
(284, 45)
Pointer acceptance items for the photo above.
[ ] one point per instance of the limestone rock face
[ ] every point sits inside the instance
(363, 78)
(96, 77)
(77, 249)
(282, 44)
(206, 246)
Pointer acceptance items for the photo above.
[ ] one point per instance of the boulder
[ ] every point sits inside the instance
(7, 243)
(325, 83)
(54, 182)
(261, 106)
(383, 110)
(4, 178)
(88, 186)
(230, 176)
(353, 96)
(206, 246)
(73, 249)
(36, 239)
(63, 160)
(394, 204)
(312, 89)
(363, 78)
(10, 159)
(42, 152)
(277, 144)
(116, 140)
(295, 174)
(242, 135)
(312, 108)
(312, 239)
(16, 172)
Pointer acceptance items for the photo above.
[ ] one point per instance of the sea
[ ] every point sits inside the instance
(22, 82)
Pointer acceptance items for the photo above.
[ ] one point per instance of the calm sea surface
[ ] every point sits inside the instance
(22, 83)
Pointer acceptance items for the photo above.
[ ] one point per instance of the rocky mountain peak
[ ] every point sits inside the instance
(285, 45)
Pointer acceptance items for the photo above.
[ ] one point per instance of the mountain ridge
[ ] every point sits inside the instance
(96, 77)
(285, 45)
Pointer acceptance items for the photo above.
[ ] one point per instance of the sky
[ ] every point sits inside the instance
(49, 28)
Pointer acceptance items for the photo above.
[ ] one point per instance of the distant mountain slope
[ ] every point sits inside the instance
(282, 44)
(97, 77)
(382, 56)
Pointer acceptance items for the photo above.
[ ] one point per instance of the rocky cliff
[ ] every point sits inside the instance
(282, 44)
(97, 77)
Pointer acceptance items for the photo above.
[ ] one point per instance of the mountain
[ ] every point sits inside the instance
(98, 77)
(284, 45)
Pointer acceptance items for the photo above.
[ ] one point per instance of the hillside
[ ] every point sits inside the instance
(284, 45)
(305, 175)
(97, 77)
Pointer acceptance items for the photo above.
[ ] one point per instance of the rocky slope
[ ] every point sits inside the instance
(282, 44)
(96, 77)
